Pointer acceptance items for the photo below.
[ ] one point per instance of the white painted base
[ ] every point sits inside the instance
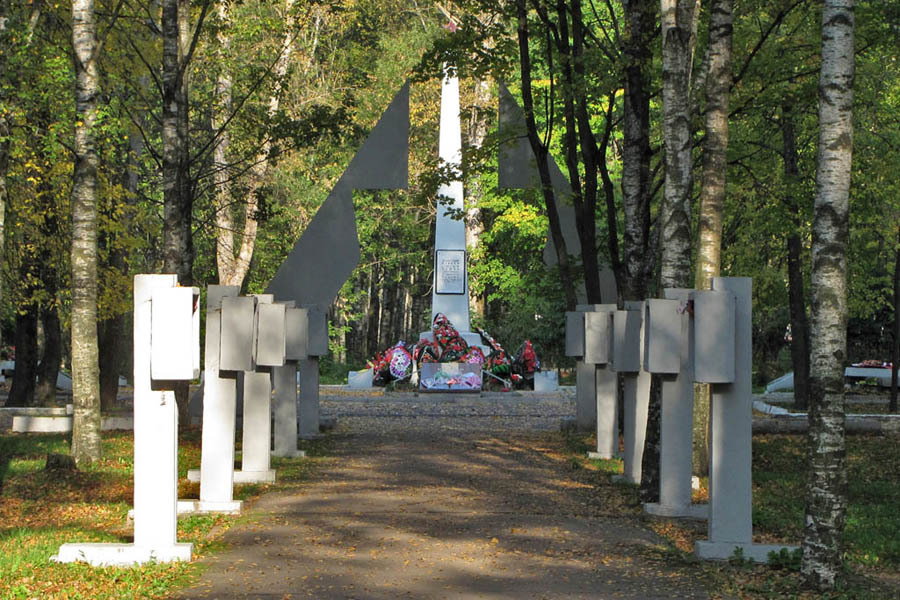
(254, 476)
(724, 550)
(690, 511)
(121, 555)
(290, 454)
(201, 507)
(600, 456)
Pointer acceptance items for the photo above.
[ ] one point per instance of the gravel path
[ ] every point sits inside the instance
(441, 497)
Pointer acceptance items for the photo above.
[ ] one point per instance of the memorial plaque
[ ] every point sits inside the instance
(215, 293)
(714, 337)
(575, 334)
(317, 344)
(627, 341)
(662, 336)
(296, 334)
(450, 271)
(597, 337)
(270, 335)
(236, 349)
(174, 334)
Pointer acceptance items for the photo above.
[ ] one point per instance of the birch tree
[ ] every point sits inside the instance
(826, 493)
(637, 256)
(679, 33)
(712, 192)
(233, 262)
(85, 366)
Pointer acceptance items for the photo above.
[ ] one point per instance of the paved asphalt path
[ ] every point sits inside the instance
(427, 512)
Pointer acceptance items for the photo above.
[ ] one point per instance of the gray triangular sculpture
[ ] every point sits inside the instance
(328, 250)
(517, 169)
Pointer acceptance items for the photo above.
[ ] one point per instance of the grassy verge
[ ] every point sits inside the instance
(872, 534)
(40, 510)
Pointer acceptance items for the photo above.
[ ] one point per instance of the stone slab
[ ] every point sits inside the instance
(758, 553)
(122, 555)
(267, 476)
(699, 512)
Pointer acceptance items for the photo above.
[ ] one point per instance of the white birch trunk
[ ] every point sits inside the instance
(679, 25)
(85, 358)
(826, 494)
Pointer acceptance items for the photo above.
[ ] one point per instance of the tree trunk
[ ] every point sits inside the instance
(541, 157)
(712, 194)
(679, 25)
(85, 368)
(48, 368)
(25, 340)
(826, 491)
(478, 129)
(109, 336)
(177, 244)
(895, 343)
(637, 260)
(796, 301)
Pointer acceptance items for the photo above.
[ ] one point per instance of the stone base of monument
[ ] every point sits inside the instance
(758, 553)
(255, 476)
(121, 555)
(201, 507)
(289, 453)
(623, 479)
(690, 511)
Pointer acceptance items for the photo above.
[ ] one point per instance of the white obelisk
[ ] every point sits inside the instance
(450, 294)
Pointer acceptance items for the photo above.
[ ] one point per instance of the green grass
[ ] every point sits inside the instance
(871, 537)
(39, 511)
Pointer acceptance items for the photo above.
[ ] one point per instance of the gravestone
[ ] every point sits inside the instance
(595, 385)
(285, 380)
(166, 351)
(317, 345)
(267, 351)
(676, 419)
(731, 419)
(216, 474)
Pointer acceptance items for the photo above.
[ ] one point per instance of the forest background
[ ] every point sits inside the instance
(279, 95)
(204, 135)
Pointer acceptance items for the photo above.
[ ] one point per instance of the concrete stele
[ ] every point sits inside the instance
(219, 401)
(730, 477)
(309, 397)
(676, 424)
(285, 443)
(257, 435)
(450, 233)
(155, 450)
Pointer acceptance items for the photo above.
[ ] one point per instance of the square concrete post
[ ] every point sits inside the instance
(676, 424)
(317, 345)
(730, 477)
(286, 411)
(585, 395)
(257, 436)
(309, 397)
(636, 392)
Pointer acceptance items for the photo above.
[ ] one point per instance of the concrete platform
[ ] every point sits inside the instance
(699, 512)
(758, 553)
(121, 555)
(255, 476)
